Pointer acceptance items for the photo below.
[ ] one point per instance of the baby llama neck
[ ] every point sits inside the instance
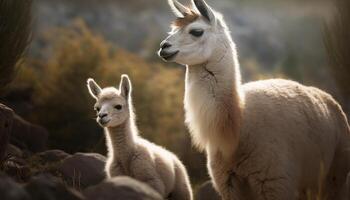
(121, 139)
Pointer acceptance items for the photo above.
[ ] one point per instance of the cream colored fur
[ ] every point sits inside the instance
(272, 139)
(131, 155)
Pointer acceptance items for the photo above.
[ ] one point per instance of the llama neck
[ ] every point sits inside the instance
(213, 101)
(121, 140)
(222, 67)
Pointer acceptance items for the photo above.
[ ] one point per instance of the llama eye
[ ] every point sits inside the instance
(118, 107)
(196, 32)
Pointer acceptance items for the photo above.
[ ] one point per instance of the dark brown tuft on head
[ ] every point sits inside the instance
(189, 17)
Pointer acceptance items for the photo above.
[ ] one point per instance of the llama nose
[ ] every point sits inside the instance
(165, 45)
(102, 115)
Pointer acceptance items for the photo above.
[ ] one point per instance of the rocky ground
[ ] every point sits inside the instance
(30, 171)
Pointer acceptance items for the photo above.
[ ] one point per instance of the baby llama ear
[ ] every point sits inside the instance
(125, 86)
(93, 87)
(205, 10)
(178, 9)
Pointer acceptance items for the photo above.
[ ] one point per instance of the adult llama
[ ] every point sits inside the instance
(272, 139)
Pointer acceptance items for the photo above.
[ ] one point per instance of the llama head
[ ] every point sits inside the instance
(112, 105)
(196, 34)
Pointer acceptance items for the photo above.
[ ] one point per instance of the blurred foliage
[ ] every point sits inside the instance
(56, 89)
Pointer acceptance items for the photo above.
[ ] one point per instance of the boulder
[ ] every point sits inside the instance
(6, 118)
(15, 165)
(12, 150)
(10, 190)
(121, 188)
(47, 187)
(17, 168)
(207, 192)
(83, 169)
(54, 155)
(28, 136)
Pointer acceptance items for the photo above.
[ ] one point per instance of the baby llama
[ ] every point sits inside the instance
(128, 153)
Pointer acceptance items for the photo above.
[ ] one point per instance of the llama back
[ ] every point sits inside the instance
(292, 108)
(291, 122)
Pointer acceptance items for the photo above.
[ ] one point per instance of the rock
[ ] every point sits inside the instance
(53, 155)
(6, 118)
(207, 192)
(10, 190)
(83, 169)
(20, 132)
(12, 150)
(28, 136)
(121, 188)
(17, 168)
(46, 187)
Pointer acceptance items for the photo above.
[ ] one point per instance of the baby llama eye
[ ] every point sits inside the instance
(118, 107)
(196, 32)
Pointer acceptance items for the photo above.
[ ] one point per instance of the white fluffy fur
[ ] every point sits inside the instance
(273, 139)
(131, 155)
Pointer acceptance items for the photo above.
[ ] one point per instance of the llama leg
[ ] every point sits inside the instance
(223, 180)
(230, 187)
(233, 187)
(182, 189)
(227, 183)
(339, 178)
(344, 193)
(273, 188)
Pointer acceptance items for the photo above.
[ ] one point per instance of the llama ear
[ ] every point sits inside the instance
(125, 86)
(93, 87)
(205, 10)
(178, 9)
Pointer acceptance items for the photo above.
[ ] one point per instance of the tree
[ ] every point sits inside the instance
(337, 41)
(15, 30)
